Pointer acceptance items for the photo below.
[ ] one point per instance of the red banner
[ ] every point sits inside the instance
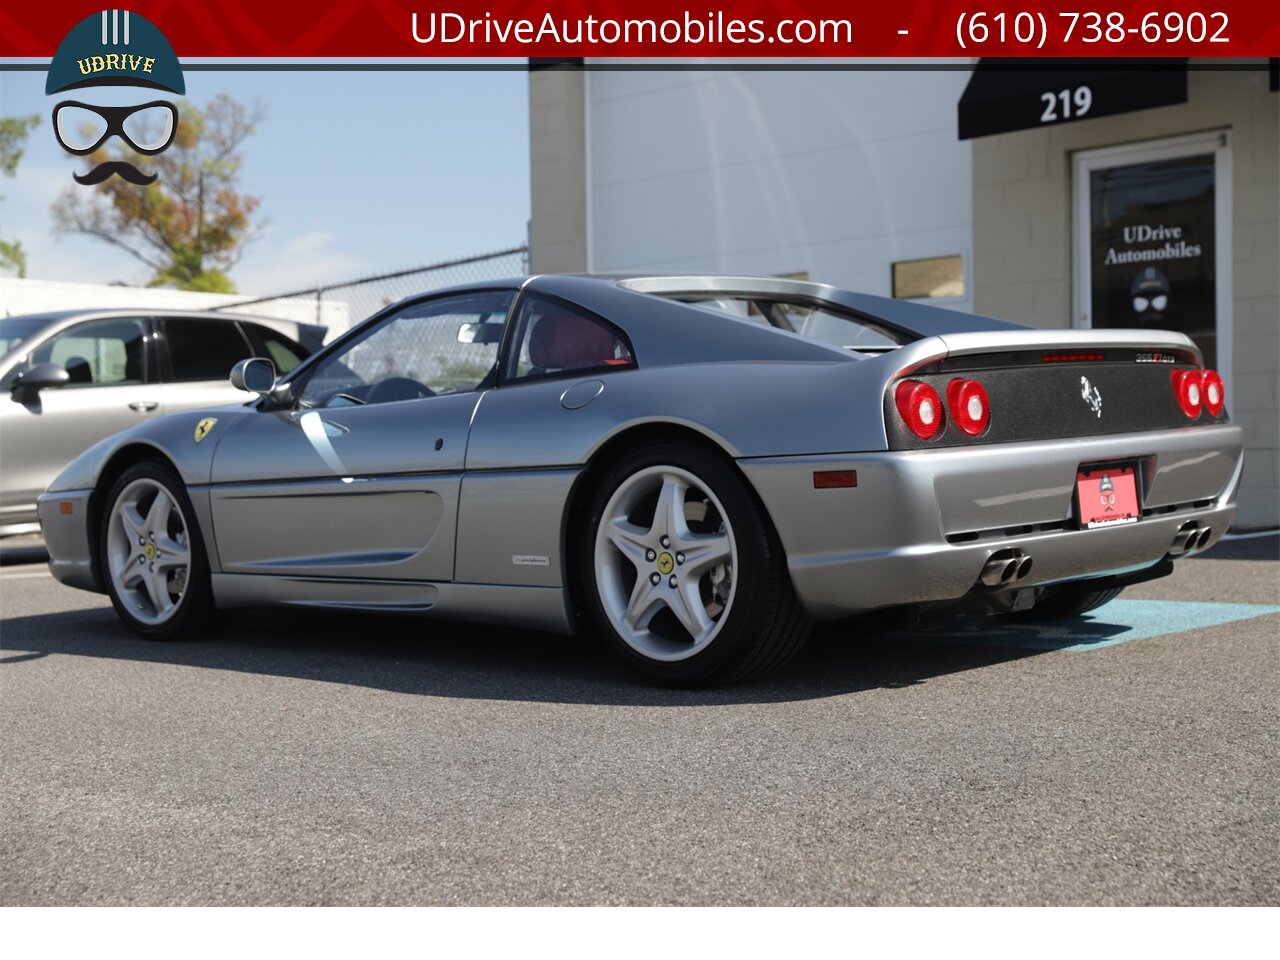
(726, 29)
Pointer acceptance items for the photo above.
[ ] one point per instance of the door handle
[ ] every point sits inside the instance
(143, 406)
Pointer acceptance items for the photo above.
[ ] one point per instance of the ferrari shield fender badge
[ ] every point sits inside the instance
(204, 426)
(1091, 396)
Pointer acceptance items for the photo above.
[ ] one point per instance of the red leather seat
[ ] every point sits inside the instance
(566, 341)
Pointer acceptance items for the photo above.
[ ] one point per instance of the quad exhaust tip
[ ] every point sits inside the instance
(1004, 567)
(1009, 566)
(1189, 538)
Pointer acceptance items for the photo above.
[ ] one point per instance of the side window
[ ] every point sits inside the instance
(441, 346)
(279, 349)
(98, 353)
(202, 349)
(554, 338)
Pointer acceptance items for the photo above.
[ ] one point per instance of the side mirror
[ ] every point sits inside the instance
(41, 376)
(480, 333)
(256, 375)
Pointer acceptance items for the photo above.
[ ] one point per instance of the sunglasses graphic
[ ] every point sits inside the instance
(1158, 302)
(82, 128)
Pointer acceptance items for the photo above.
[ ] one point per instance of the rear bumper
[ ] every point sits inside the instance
(919, 525)
(66, 534)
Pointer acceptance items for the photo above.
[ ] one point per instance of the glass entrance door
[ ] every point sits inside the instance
(1152, 240)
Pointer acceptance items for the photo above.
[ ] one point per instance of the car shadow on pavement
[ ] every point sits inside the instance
(437, 659)
(1254, 548)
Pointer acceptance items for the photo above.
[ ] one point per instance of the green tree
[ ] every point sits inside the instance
(191, 225)
(13, 139)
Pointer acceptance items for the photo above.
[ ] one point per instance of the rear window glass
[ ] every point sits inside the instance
(203, 349)
(815, 321)
(283, 352)
(555, 339)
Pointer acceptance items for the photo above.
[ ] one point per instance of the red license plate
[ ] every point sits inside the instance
(1106, 496)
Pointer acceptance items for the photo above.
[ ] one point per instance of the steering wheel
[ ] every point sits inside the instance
(397, 388)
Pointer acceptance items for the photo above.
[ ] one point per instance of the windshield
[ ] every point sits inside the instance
(815, 321)
(13, 330)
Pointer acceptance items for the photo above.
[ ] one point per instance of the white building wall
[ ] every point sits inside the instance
(836, 174)
(21, 296)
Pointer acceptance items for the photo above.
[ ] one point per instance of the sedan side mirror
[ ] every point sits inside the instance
(256, 375)
(41, 376)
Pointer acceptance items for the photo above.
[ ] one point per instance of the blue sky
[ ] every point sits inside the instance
(358, 172)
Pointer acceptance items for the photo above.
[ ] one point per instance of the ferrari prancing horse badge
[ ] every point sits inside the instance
(204, 426)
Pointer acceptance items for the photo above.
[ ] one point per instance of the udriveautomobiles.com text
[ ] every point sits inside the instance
(710, 28)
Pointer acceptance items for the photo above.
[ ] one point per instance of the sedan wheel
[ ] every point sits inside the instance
(686, 576)
(152, 557)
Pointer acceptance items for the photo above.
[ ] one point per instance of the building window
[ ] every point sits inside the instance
(929, 279)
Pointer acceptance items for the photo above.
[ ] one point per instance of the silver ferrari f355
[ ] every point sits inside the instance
(692, 468)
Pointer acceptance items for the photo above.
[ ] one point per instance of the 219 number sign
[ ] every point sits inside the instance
(1066, 104)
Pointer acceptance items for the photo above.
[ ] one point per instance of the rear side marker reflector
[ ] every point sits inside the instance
(831, 479)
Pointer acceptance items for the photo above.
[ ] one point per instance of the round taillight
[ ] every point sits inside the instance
(920, 407)
(1215, 394)
(1187, 388)
(970, 409)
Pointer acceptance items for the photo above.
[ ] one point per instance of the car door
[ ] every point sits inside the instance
(361, 476)
(111, 389)
(196, 355)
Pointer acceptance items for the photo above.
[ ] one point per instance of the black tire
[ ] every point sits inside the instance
(1066, 602)
(193, 612)
(763, 624)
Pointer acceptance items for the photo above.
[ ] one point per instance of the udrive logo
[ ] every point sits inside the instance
(115, 48)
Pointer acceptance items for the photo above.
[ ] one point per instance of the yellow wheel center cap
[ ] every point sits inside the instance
(150, 551)
(665, 563)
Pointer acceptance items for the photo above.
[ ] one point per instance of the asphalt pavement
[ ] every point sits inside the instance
(1128, 758)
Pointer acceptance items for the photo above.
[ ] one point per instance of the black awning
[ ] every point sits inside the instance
(1007, 95)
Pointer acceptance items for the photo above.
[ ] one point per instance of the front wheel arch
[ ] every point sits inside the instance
(174, 559)
(115, 467)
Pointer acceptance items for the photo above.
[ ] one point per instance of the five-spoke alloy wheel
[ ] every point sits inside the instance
(152, 559)
(683, 572)
(664, 546)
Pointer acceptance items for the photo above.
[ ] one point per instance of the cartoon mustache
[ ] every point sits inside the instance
(127, 171)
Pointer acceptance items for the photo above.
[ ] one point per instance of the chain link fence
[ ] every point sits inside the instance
(340, 306)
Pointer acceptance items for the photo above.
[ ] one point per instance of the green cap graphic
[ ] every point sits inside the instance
(115, 47)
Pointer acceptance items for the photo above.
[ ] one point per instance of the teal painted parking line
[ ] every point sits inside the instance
(1118, 622)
